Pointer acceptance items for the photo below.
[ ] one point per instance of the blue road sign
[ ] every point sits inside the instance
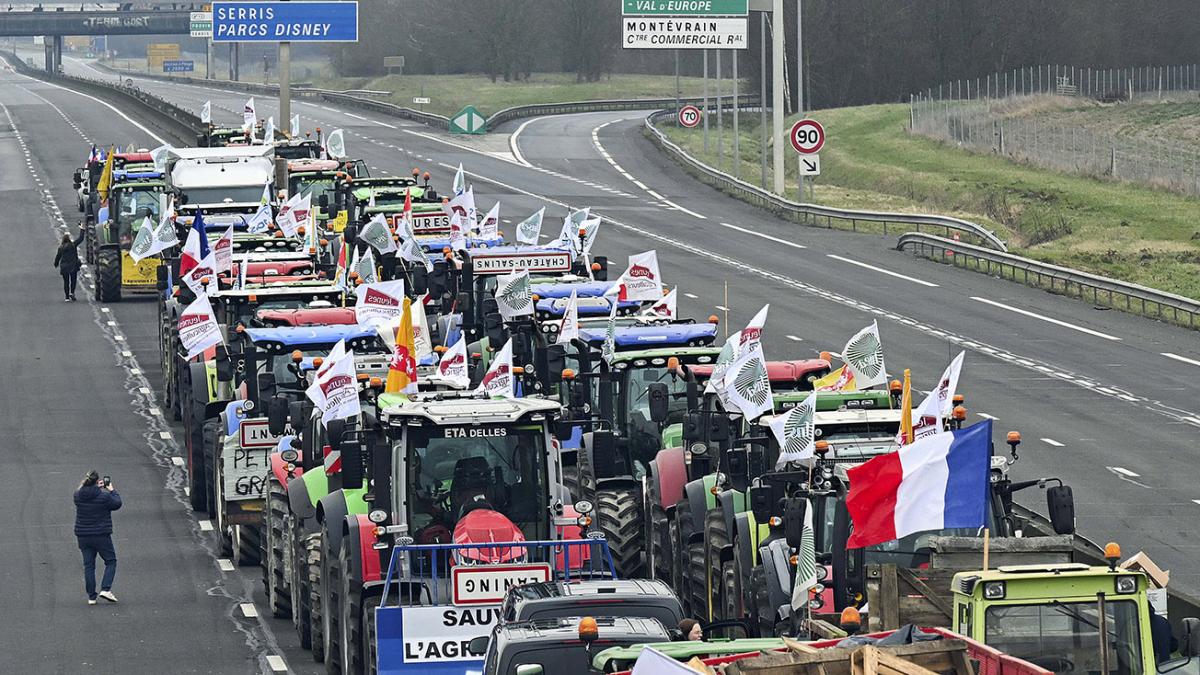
(179, 66)
(285, 22)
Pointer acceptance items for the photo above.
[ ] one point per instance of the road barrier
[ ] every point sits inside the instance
(179, 124)
(1103, 291)
(810, 214)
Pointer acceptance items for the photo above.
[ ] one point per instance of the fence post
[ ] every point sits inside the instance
(1112, 163)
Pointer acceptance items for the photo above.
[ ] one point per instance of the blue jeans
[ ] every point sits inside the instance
(91, 547)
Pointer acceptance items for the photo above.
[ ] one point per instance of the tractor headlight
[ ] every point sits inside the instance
(822, 572)
(1126, 585)
(994, 590)
(377, 516)
(698, 448)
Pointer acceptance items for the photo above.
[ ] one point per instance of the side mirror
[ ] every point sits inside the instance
(298, 412)
(693, 426)
(1189, 646)
(660, 402)
(277, 415)
(224, 367)
(1060, 504)
(350, 234)
(77, 179)
(323, 201)
(793, 521)
(760, 503)
(478, 647)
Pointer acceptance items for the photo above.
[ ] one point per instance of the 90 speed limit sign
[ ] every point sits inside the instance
(807, 136)
(689, 116)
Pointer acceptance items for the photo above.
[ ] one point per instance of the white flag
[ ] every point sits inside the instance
(752, 333)
(335, 390)
(641, 280)
(864, 354)
(729, 352)
(222, 252)
(243, 270)
(249, 117)
(206, 269)
(379, 301)
(489, 227)
(260, 221)
(460, 182)
(499, 381)
(653, 662)
(458, 233)
(153, 239)
(421, 338)
(295, 215)
(411, 251)
(335, 144)
(665, 308)
(530, 229)
(206, 113)
(159, 156)
(568, 236)
(608, 350)
(568, 328)
(938, 404)
(295, 126)
(365, 266)
(514, 295)
(746, 385)
(806, 562)
(795, 432)
(198, 329)
(590, 228)
(453, 368)
(269, 131)
(462, 204)
(378, 234)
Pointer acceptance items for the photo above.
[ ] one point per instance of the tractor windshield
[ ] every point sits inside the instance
(453, 470)
(317, 186)
(637, 384)
(132, 207)
(233, 194)
(1065, 637)
(858, 440)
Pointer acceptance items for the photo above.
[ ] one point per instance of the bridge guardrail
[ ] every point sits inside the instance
(1105, 291)
(808, 213)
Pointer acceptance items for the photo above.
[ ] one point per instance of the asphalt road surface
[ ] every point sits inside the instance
(1104, 399)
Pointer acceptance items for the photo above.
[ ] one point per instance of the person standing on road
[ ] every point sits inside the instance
(67, 262)
(95, 500)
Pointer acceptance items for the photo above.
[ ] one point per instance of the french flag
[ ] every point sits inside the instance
(195, 249)
(939, 482)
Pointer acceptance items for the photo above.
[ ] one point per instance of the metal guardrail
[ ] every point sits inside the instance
(1104, 291)
(181, 125)
(607, 105)
(809, 213)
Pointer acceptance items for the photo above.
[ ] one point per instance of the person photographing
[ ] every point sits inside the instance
(95, 500)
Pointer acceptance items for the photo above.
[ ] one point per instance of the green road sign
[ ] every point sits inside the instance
(685, 7)
(468, 121)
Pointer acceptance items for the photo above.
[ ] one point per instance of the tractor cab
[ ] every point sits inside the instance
(135, 201)
(293, 149)
(87, 178)
(364, 198)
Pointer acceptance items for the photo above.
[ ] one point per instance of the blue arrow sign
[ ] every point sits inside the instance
(179, 66)
(285, 22)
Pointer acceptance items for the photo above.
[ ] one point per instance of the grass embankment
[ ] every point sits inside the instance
(1139, 234)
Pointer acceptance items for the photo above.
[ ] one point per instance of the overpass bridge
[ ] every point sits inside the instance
(57, 24)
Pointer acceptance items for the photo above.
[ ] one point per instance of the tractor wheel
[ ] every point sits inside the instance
(247, 545)
(301, 615)
(697, 573)
(716, 537)
(275, 580)
(108, 275)
(683, 528)
(351, 613)
(194, 442)
(331, 589)
(657, 536)
(370, 656)
(619, 517)
(731, 595)
(211, 433)
(312, 556)
(763, 613)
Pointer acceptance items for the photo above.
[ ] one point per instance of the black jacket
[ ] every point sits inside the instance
(67, 258)
(93, 510)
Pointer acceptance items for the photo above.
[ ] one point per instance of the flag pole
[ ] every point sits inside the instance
(986, 542)
(726, 309)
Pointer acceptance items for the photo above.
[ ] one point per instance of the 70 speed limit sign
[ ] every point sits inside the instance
(689, 116)
(807, 136)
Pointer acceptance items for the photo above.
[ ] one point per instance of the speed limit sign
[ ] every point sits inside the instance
(808, 136)
(689, 116)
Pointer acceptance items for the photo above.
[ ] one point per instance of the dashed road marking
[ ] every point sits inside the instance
(1177, 357)
(206, 526)
(1123, 471)
(1047, 319)
(988, 417)
(1051, 441)
(793, 338)
(248, 609)
(882, 271)
(760, 235)
(177, 461)
(225, 565)
(276, 663)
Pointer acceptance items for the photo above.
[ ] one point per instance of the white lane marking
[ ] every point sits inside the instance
(1123, 471)
(113, 108)
(384, 124)
(135, 371)
(328, 108)
(655, 194)
(357, 117)
(1051, 441)
(276, 663)
(793, 338)
(768, 237)
(723, 308)
(177, 461)
(104, 309)
(144, 390)
(1047, 319)
(1177, 357)
(987, 417)
(206, 525)
(514, 142)
(692, 295)
(680, 208)
(225, 565)
(1196, 501)
(249, 609)
(882, 271)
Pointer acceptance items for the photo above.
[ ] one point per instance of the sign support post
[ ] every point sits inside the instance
(777, 96)
(762, 95)
(285, 87)
(706, 102)
(800, 82)
(720, 114)
(737, 157)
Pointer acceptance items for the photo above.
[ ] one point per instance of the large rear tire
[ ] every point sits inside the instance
(731, 594)
(370, 655)
(194, 442)
(108, 275)
(657, 535)
(275, 580)
(331, 610)
(312, 551)
(683, 528)
(351, 613)
(247, 545)
(698, 585)
(619, 516)
(716, 537)
(763, 612)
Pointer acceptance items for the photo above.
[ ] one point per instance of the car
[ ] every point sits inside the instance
(561, 645)
(609, 597)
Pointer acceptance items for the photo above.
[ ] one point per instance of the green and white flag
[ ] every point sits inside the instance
(514, 295)
(206, 113)
(295, 126)
(152, 238)
(378, 235)
(806, 563)
(159, 156)
(365, 266)
(460, 183)
(725, 357)
(608, 351)
(746, 386)
(335, 144)
(530, 229)
(864, 355)
(269, 131)
(795, 432)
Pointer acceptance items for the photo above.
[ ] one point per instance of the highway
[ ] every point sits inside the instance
(1103, 399)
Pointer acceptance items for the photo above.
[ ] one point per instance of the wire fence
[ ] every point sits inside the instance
(999, 114)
